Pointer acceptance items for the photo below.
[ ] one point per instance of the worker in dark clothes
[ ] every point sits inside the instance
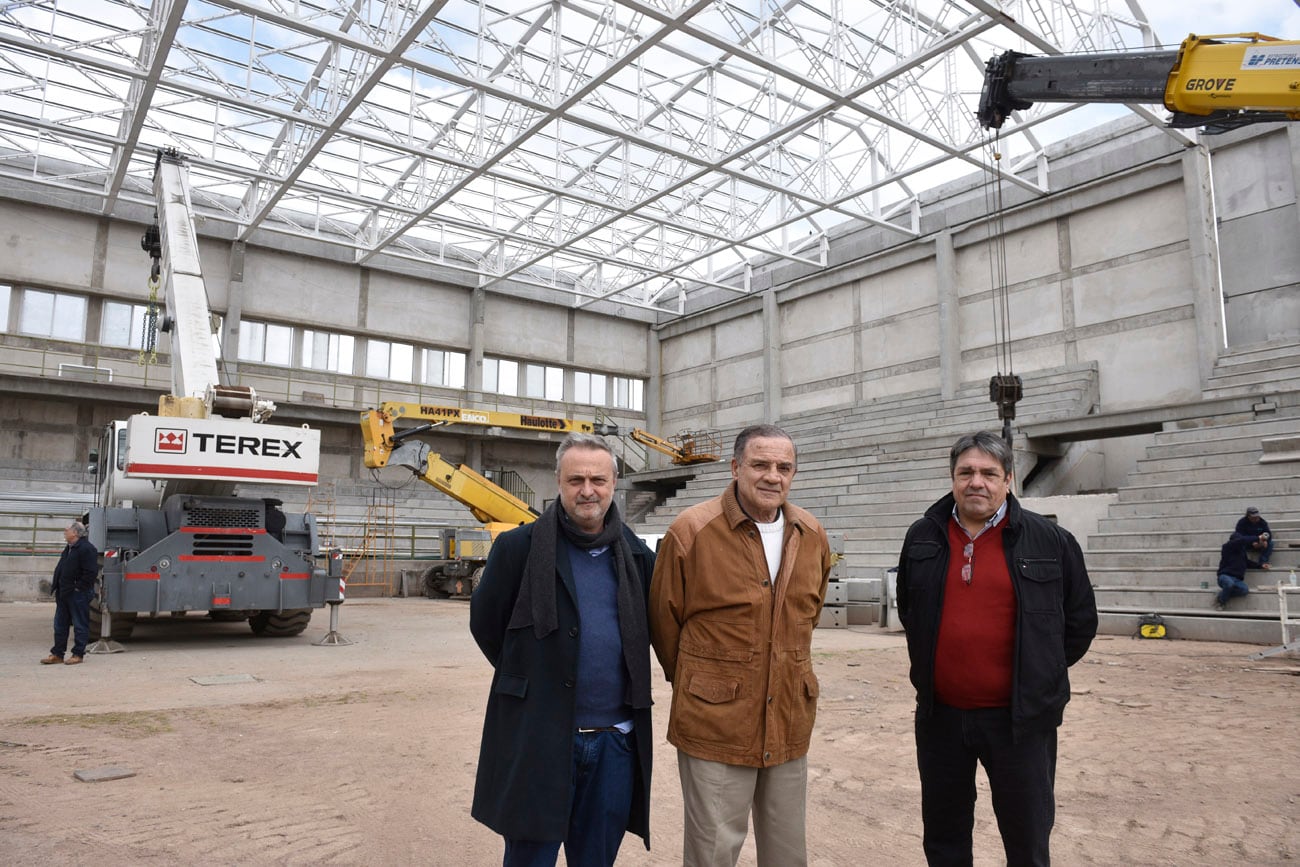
(73, 586)
(1253, 526)
(1232, 569)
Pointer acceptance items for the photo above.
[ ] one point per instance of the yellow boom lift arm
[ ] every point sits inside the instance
(496, 507)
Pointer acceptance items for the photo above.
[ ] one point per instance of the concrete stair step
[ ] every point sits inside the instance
(1222, 626)
(1184, 601)
(1284, 525)
(1175, 539)
(1190, 558)
(1268, 425)
(1246, 457)
(1212, 503)
(1275, 483)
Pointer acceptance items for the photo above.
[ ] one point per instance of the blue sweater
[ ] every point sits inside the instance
(602, 674)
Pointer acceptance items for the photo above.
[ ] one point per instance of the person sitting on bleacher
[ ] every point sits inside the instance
(1254, 527)
(1232, 570)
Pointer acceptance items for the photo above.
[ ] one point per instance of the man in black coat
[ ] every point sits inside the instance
(997, 605)
(561, 615)
(72, 587)
(1259, 537)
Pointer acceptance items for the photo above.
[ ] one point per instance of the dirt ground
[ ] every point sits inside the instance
(1172, 752)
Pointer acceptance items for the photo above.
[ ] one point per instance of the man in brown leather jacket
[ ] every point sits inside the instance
(738, 586)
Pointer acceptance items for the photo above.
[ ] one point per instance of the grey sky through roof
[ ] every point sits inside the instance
(625, 151)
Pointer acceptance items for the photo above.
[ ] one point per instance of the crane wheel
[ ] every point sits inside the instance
(280, 624)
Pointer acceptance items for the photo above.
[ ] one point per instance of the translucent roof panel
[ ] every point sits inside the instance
(634, 152)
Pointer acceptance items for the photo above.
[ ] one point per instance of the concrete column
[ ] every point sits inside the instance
(945, 262)
(654, 402)
(1293, 140)
(234, 311)
(1203, 244)
(474, 368)
(1065, 262)
(771, 357)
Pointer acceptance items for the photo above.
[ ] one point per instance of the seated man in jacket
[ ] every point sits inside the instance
(1260, 538)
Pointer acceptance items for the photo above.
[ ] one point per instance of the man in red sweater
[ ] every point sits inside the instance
(997, 605)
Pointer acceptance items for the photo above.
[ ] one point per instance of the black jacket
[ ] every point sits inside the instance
(77, 569)
(1056, 615)
(1232, 556)
(525, 767)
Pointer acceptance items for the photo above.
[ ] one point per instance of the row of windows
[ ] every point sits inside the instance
(63, 316)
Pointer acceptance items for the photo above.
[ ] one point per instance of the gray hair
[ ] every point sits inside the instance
(78, 528)
(988, 442)
(584, 441)
(760, 431)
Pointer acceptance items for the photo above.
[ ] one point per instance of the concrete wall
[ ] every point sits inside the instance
(1101, 269)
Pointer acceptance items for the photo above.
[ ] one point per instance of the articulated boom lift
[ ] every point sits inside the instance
(464, 550)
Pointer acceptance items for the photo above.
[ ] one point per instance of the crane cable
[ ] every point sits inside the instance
(1005, 388)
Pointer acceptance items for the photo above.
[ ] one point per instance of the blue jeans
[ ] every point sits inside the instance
(72, 610)
(1022, 778)
(604, 768)
(1232, 586)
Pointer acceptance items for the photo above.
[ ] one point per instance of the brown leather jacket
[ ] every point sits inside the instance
(737, 650)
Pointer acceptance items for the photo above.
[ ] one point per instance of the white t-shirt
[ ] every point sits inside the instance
(772, 534)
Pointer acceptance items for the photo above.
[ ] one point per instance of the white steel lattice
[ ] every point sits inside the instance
(634, 152)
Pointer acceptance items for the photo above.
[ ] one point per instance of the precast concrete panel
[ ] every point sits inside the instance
(1031, 253)
(899, 290)
(520, 329)
(1133, 288)
(817, 314)
(298, 289)
(214, 258)
(823, 398)
(1253, 176)
(1259, 252)
(901, 383)
(1155, 365)
(1133, 224)
(686, 390)
(739, 336)
(980, 368)
(1034, 311)
(737, 378)
(126, 266)
(693, 349)
(410, 310)
(739, 415)
(900, 340)
(45, 246)
(817, 360)
(606, 343)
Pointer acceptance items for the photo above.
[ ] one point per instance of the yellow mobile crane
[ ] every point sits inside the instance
(464, 550)
(1220, 82)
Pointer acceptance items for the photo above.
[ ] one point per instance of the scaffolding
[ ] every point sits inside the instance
(368, 560)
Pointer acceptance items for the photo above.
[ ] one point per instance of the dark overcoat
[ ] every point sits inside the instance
(525, 766)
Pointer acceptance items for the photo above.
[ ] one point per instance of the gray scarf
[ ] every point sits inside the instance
(535, 605)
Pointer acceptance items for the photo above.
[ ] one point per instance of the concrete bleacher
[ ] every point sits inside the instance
(867, 471)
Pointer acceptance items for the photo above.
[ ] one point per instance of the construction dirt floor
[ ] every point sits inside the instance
(274, 751)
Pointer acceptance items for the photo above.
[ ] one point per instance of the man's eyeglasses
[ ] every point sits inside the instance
(966, 571)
